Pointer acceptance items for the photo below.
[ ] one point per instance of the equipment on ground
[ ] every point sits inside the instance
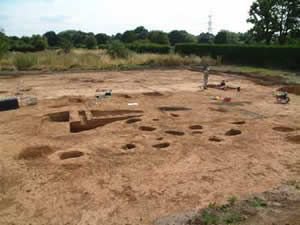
(282, 98)
(10, 103)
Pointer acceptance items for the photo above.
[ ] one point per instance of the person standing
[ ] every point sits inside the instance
(205, 77)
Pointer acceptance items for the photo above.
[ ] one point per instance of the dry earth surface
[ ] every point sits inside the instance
(68, 160)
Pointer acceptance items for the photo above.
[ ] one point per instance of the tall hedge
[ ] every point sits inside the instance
(277, 56)
(149, 48)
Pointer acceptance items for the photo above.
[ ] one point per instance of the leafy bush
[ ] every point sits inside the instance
(3, 47)
(180, 36)
(149, 48)
(25, 61)
(20, 46)
(39, 43)
(258, 55)
(91, 42)
(117, 49)
(66, 45)
(159, 37)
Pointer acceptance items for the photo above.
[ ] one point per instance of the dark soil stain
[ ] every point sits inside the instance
(233, 132)
(294, 139)
(161, 145)
(153, 94)
(173, 108)
(146, 128)
(196, 127)
(215, 139)
(128, 147)
(176, 133)
(284, 129)
(133, 121)
(239, 122)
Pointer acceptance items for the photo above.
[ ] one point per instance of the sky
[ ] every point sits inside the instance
(27, 17)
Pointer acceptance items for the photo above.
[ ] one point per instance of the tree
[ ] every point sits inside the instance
(3, 43)
(288, 18)
(263, 17)
(226, 37)
(66, 45)
(206, 38)
(141, 32)
(39, 43)
(158, 37)
(91, 42)
(180, 36)
(129, 36)
(117, 49)
(52, 38)
(102, 39)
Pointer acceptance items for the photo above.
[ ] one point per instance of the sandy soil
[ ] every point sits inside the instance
(68, 160)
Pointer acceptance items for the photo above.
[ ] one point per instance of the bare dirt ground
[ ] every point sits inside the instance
(70, 161)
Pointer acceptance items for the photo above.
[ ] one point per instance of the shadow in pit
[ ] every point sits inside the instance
(78, 126)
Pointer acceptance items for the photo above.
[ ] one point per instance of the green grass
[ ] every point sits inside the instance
(289, 76)
(257, 203)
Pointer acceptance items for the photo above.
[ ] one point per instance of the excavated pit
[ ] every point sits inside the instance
(146, 128)
(175, 133)
(294, 139)
(239, 122)
(153, 94)
(173, 108)
(293, 89)
(133, 121)
(77, 126)
(35, 152)
(284, 129)
(98, 113)
(70, 155)
(162, 145)
(215, 139)
(59, 117)
(196, 127)
(129, 147)
(233, 132)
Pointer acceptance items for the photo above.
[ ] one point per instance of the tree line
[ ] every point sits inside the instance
(273, 22)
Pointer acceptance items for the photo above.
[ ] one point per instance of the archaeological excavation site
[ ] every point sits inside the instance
(148, 147)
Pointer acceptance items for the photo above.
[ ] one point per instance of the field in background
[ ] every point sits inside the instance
(55, 60)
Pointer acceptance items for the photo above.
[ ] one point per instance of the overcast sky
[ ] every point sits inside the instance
(27, 17)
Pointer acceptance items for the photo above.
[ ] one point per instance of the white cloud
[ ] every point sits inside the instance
(112, 16)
